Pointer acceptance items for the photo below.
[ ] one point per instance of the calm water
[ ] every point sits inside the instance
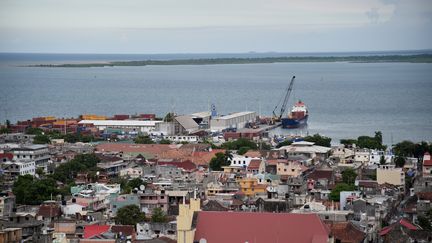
(344, 99)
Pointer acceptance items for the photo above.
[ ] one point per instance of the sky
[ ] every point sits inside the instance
(214, 26)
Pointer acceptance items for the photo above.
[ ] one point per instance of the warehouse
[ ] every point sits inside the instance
(125, 125)
(234, 120)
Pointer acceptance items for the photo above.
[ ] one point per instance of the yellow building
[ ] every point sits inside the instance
(92, 117)
(185, 232)
(290, 168)
(391, 175)
(250, 186)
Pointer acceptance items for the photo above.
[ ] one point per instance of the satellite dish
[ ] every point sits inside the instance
(142, 187)
(202, 240)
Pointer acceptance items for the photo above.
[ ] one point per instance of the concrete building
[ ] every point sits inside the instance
(15, 169)
(39, 154)
(234, 120)
(391, 175)
(290, 168)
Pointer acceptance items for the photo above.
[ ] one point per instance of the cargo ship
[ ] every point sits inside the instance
(297, 117)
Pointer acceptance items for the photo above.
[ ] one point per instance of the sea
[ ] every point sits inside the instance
(345, 100)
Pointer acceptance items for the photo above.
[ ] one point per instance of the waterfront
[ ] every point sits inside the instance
(344, 99)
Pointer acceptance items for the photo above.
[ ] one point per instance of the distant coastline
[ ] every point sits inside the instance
(417, 58)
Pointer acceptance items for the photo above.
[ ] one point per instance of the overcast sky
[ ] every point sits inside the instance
(203, 26)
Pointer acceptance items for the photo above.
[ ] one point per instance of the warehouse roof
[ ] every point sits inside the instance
(237, 114)
(136, 123)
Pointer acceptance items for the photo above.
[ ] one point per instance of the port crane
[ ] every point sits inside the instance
(278, 117)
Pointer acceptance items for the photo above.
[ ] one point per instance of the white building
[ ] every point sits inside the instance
(129, 125)
(362, 156)
(242, 161)
(20, 168)
(345, 196)
(234, 120)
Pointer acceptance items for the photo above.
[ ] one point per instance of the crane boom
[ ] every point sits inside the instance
(285, 100)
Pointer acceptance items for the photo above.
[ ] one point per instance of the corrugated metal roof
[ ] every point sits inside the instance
(120, 123)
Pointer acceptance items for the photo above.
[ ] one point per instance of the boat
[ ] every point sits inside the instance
(297, 117)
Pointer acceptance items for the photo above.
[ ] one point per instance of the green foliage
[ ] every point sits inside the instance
(349, 176)
(129, 215)
(425, 223)
(29, 190)
(169, 117)
(135, 183)
(243, 150)
(40, 171)
(382, 160)
(220, 159)
(239, 143)
(319, 140)
(264, 146)
(335, 193)
(143, 140)
(41, 139)
(165, 141)
(158, 216)
(33, 131)
(284, 143)
(348, 141)
(83, 162)
(399, 161)
(407, 148)
(4, 130)
(374, 142)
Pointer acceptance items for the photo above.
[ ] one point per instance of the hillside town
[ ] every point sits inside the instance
(205, 177)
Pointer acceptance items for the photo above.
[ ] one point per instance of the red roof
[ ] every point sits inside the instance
(254, 164)
(94, 230)
(321, 174)
(260, 227)
(404, 222)
(8, 156)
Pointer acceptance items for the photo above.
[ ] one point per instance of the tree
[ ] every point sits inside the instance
(241, 142)
(424, 222)
(40, 171)
(404, 148)
(218, 161)
(143, 140)
(4, 130)
(29, 190)
(41, 139)
(8, 124)
(242, 150)
(135, 183)
(83, 162)
(284, 143)
(319, 140)
(158, 216)
(382, 160)
(129, 215)
(399, 161)
(349, 176)
(348, 141)
(335, 193)
(165, 141)
(34, 131)
(169, 117)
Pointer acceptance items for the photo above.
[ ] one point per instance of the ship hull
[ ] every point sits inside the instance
(294, 123)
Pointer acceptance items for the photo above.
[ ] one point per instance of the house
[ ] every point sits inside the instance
(391, 175)
(427, 165)
(404, 231)
(250, 187)
(290, 168)
(149, 200)
(256, 166)
(11, 235)
(7, 203)
(132, 172)
(321, 179)
(341, 154)
(36, 153)
(15, 169)
(346, 232)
